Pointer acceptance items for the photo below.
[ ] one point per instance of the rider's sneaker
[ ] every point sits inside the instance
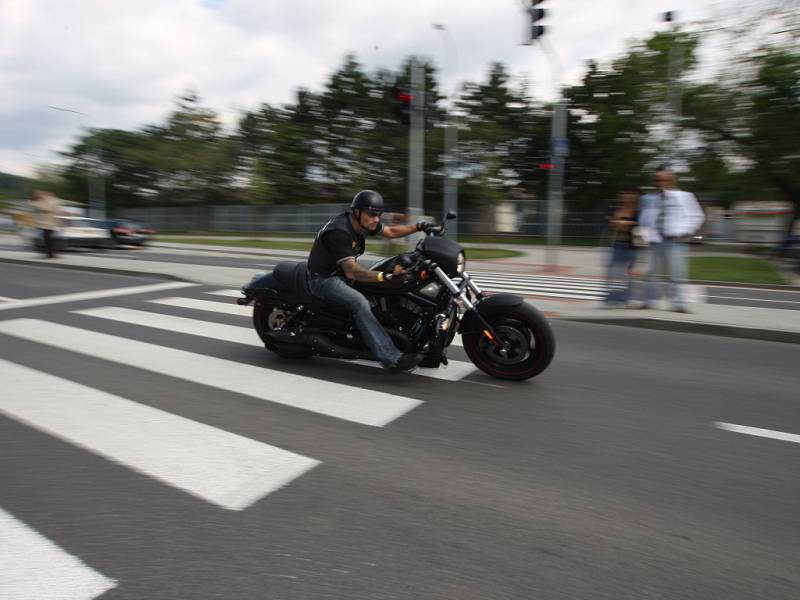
(407, 362)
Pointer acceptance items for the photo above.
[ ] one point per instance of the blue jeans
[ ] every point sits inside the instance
(336, 291)
(623, 255)
(671, 256)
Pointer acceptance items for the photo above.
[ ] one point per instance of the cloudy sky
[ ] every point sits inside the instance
(122, 63)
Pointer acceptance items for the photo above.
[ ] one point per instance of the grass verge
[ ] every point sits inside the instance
(735, 269)
(377, 248)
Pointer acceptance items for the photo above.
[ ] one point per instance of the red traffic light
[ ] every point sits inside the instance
(546, 166)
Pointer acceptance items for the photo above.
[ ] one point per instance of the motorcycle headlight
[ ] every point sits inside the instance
(461, 262)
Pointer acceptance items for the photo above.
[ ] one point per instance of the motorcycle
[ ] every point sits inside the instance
(502, 334)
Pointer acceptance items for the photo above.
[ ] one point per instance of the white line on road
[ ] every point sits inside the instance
(7, 299)
(366, 406)
(767, 433)
(220, 467)
(217, 331)
(34, 568)
(455, 371)
(207, 305)
(756, 299)
(75, 297)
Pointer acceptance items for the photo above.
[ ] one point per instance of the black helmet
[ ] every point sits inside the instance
(368, 200)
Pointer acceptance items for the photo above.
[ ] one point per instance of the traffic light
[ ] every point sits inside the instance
(534, 30)
(403, 98)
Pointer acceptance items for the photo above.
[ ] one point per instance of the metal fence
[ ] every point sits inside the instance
(309, 218)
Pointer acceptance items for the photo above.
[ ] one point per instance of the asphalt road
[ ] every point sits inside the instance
(606, 477)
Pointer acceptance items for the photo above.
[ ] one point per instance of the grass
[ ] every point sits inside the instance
(378, 248)
(734, 269)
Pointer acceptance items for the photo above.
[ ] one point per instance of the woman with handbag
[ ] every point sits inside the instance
(623, 249)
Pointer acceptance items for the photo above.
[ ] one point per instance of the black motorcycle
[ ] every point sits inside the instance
(421, 311)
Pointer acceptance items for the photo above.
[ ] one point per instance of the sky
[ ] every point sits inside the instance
(122, 64)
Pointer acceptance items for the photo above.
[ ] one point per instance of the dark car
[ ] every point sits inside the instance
(125, 232)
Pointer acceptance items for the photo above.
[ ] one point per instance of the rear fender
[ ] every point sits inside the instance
(470, 323)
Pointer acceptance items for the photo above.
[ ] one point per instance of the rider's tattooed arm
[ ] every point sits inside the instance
(353, 270)
(396, 231)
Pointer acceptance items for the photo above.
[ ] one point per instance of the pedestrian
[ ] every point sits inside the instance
(46, 208)
(667, 220)
(623, 251)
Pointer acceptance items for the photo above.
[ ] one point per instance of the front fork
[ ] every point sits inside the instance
(461, 294)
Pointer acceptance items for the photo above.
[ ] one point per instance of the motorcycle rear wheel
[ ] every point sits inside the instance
(267, 317)
(530, 339)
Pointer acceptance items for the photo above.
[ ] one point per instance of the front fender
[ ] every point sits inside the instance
(470, 323)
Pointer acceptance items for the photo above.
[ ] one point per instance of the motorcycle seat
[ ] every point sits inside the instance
(293, 279)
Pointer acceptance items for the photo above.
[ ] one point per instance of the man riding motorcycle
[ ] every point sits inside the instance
(333, 263)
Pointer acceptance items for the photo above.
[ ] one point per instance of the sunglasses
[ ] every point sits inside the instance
(374, 213)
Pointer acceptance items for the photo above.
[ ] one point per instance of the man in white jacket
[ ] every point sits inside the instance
(667, 220)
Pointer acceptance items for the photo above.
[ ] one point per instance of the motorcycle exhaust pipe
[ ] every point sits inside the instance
(321, 345)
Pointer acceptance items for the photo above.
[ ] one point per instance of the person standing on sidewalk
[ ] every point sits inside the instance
(623, 252)
(667, 220)
(46, 208)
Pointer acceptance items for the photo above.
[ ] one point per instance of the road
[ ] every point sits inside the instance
(150, 448)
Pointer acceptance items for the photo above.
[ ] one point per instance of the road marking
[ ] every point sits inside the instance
(767, 433)
(757, 299)
(369, 407)
(61, 298)
(34, 568)
(220, 467)
(455, 371)
(229, 308)
(226, 293)
(7, 299)
(208, 329)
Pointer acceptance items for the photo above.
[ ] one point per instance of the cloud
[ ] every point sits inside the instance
(122, 64)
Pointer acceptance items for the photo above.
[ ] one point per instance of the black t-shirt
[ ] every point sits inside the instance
(334, 244)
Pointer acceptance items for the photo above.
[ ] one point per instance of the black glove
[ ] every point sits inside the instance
(428, 227)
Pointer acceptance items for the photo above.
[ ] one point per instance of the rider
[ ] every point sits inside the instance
(333, 261)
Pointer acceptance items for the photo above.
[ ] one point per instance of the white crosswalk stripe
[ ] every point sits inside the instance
(454, 371)
(206, 305)
(555, 286)
(368, 407)
(225, 469)
(34, 568)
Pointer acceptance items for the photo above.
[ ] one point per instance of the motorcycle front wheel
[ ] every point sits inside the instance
(530, 344)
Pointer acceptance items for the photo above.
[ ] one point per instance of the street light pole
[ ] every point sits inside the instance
(450, 139)
(96, 182)
(674, 93)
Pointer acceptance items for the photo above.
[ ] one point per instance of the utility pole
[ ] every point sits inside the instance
(416, 145)
(96, 182)
(674, 94)
(559, 145)
(450, 143)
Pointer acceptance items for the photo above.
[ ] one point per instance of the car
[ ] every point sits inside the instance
(75, 232)
(125, 232)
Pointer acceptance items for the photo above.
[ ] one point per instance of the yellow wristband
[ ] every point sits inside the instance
(380, 276)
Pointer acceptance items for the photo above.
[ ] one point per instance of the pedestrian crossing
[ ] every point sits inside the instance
(228, 471)
(545, 286)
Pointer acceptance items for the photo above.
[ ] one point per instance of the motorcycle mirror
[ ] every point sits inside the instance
(451, 214)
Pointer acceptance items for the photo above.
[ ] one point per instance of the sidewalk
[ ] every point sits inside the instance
(734, 321)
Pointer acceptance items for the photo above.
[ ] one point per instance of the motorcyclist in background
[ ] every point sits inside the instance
(333, 266)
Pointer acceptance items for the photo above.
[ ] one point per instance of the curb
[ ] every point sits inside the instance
(35, 263)
(732, 331)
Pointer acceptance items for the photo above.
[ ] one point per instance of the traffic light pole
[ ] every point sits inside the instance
(416, 145)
